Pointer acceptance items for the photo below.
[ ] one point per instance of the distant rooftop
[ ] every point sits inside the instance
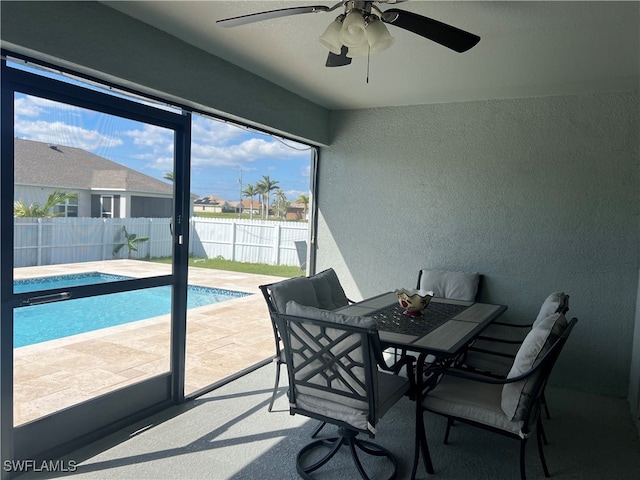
(59, 166)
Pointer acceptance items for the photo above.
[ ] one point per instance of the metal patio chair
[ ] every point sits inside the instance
(493, 352)
(509, 406)
(337, 375)
(322, 290)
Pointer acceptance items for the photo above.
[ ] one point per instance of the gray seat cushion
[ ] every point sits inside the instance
(476, 401)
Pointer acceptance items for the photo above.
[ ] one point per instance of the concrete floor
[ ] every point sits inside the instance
(221, 339)
(229, 434)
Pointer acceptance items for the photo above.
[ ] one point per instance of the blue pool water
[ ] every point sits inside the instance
(39, 323)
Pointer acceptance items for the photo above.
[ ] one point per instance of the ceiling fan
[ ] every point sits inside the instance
(361, 31)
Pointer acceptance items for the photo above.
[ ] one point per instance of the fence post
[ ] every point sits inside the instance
(39, 243)
(276, 244)
(149, 230)
(233, 241)
(192, 231)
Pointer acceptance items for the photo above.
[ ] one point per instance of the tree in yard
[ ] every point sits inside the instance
(281, 203)
(168, 176)
(20, 209)
(304, 200)
(131, 242)
(266, 186)
(249, 191)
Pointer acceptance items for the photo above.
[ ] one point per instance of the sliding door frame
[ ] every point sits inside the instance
(54, 434)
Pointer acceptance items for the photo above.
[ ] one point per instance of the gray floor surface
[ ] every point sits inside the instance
(228, 434)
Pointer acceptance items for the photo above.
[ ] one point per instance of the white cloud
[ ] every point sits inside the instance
(67, 131)
(215, 143)
(23, 107)
(250, 150)
(60, 133)
(154, 144)
(152, 136)
(293, 195)
(206, 130)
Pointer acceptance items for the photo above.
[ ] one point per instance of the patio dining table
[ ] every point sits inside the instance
(443, 329)
(439, 335)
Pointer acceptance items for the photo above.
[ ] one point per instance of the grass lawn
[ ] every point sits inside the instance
(221, 264)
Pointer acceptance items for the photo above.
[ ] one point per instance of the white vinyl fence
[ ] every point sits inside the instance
(51, 241)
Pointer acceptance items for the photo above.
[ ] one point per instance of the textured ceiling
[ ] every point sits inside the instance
(526, 49)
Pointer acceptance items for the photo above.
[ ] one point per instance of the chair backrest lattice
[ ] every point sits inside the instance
(332, 368)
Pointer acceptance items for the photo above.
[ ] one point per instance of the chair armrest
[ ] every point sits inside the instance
(407, 361)
(491, 352)
(499, 340)
(478, 377)
(514, 325)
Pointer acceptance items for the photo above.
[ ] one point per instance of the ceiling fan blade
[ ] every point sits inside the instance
(446, 35)
(341, 60)
(283, 12)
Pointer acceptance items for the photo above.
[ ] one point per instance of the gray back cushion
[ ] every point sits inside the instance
(294, 308)
(517, 396)
(298, 289)
(455, 285)
(320, 291)
(328, 289)
(549, 306)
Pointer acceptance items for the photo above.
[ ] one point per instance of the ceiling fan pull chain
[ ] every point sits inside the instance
(368, 63)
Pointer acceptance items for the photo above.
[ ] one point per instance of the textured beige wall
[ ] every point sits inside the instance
(537, 194)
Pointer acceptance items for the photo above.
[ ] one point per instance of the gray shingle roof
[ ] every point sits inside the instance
(210, 200)
(38, 163)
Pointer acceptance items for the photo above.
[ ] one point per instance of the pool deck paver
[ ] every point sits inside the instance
(222, 339)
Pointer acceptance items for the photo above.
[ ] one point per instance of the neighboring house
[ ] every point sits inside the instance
(212, 204)
(296, 211)
(105, 188)
(246, 206)
(249, 205)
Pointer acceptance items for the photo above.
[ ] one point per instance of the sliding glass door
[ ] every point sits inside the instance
(93, 260)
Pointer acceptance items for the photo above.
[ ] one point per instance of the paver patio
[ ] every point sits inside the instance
(222, 339)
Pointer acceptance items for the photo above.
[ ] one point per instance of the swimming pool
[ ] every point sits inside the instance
(39, 323)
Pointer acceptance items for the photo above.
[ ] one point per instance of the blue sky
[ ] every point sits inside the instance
(221, 153)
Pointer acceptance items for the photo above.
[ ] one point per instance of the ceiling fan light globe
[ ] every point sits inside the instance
(378, 36)
(353, 33)
(331, 37)
(361, 51)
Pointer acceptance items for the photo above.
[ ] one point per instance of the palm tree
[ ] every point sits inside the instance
(266, 186)
(281, 203)
(260, 191)
(20, 209)
(249, 191)
(168, 176)
(304, 200)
